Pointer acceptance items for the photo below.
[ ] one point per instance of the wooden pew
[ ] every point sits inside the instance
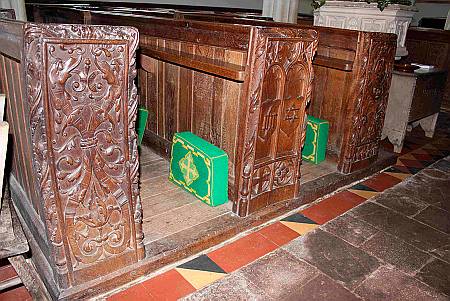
(348, 66)
(220, 82)
(71, 106)
(352, 71)
(352, 80)
(241, 87)
(431, 47)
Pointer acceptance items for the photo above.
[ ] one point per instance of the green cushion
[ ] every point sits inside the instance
(141, 122)
(316, 140)
(199, 167)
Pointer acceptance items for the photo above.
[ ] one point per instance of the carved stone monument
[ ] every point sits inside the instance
(395, 18)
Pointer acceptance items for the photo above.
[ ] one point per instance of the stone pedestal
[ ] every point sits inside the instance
(395, 18)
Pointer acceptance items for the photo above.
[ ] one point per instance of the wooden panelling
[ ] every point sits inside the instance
(431, 47)
(17, 109)
(183, 99)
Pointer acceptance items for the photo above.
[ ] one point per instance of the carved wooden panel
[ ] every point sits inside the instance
(279, 89)
(83, 105)
(371, 91)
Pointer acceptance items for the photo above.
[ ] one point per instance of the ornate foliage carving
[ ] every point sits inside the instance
(83, 104)
(280, 88)
(372, 90)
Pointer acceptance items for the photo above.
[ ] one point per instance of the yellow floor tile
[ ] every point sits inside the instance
(300, 228)
(398, 175)
(364, 193)
(199, 279)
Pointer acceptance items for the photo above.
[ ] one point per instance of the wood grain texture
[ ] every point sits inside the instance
(75, 148)
(431, 47)
(335, 65)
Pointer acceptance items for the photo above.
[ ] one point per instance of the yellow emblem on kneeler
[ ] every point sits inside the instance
(199, 167)
(188, 168)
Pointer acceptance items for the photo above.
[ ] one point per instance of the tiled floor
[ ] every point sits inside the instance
(396, 247)
(334, 249)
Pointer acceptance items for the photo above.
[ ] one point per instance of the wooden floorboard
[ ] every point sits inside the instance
(167, 208)
(156, 186)
(146, 156)
(310, 171)
(166, 202)
(154, 169)
(179, 219)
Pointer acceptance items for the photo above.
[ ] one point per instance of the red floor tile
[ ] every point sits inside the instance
(405, 150)
(17, 294)
(168, 286)
(278, 233)
(136, 292)
(423, 157)
(381, 181)
(242, 251)
(332, 207)
(7, 272)
(411, 163)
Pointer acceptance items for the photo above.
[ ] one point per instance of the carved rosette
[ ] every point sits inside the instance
(274, 109)
(83, 104)
(371, 93)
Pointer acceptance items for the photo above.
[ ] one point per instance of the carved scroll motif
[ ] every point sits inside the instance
(280, 88)
(83, 104)
(374, 79)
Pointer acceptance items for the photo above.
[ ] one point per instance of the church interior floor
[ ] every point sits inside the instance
(270, 249)
(172, 216)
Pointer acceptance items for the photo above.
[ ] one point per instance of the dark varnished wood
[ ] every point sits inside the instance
(72, 105)
(340, 54)
(334, 96)
(431, 47)
(333, 63)
(221, 110)
(193, 61)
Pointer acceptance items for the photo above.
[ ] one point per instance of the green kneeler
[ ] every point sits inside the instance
(316, 140)
(141, 122)
(199, 167)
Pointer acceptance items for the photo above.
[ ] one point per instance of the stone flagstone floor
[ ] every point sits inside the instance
(385, 238)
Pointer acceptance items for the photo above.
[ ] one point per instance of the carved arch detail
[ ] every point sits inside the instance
(262, 167)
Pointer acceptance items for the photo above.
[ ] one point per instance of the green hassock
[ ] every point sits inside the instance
(141, 122)
(316, 140)
(199, 167)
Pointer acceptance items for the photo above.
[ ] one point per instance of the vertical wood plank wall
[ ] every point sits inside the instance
(21, 160)
(181, 99)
